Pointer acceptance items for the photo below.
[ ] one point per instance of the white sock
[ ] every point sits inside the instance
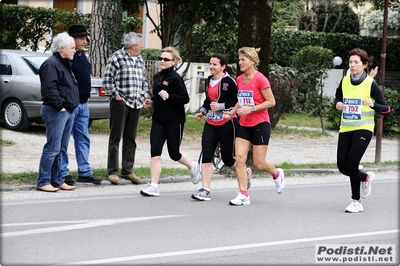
(206, 188)
(154, 184)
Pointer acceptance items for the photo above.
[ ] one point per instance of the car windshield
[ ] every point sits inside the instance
(35, 62)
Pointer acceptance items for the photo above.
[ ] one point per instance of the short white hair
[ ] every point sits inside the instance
(61, 40)
(131, 38)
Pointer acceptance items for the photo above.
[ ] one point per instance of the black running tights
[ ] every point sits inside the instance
(351, 148)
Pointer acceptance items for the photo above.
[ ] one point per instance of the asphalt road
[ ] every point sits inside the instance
(115, 225)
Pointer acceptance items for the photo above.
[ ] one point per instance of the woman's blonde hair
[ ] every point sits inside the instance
(251, 53)
(173, 52)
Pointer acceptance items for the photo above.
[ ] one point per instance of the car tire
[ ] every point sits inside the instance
(14, 116)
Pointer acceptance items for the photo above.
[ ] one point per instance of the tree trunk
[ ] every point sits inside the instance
(104, 26)
(343, 7)
(254, 30)
(328, 7)
(255, 20)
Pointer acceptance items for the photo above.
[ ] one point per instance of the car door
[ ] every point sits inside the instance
(6, 75)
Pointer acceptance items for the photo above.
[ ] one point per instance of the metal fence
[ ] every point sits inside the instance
(392, 80)
(152, 67)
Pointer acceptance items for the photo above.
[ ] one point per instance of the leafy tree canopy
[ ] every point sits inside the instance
(379, 4)
(324, 16)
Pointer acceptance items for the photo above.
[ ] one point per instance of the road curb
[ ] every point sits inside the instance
(177, 179)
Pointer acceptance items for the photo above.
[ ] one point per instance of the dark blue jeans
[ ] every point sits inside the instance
(80, 132)
(58, 132)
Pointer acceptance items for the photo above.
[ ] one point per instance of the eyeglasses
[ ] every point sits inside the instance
(165, 59)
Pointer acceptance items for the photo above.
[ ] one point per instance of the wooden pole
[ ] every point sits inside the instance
(379, 122)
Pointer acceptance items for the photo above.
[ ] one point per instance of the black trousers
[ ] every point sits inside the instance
(351, 148)
(225, 135)
(124, 122)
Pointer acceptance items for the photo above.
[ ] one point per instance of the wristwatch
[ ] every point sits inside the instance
(253, 109)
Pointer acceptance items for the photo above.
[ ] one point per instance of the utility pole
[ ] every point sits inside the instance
(379, 122)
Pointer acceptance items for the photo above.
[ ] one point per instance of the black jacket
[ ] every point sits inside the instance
(172, 110)
(227, 94)
(82, 70)
(58, 85)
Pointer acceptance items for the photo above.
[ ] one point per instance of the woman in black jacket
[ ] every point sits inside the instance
(221, 94)
(169, 98)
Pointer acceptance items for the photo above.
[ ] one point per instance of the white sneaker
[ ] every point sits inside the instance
(249, 176)
(195, 172)
(151, 190)
(240, 200)
(202, 195)
(366, 186)
(354, 206)
(280, 181)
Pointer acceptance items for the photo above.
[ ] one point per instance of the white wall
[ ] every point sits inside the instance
(332, 82)
(195, 73)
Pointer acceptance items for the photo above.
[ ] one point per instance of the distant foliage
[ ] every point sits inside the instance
(374, 20)
(286, 43)
(25, 27)
(348, 23)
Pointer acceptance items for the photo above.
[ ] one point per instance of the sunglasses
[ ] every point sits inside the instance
(165, 59)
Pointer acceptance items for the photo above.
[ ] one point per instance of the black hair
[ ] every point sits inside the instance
(224, 62)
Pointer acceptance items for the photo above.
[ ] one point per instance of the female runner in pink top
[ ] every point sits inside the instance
(255, 97)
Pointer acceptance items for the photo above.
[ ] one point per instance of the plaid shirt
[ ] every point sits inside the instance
(126, 77)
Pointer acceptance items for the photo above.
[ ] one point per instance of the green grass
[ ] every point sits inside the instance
(6, 143)
(286, 130)
(304, 120)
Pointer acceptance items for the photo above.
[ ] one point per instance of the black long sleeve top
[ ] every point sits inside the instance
(171, 110)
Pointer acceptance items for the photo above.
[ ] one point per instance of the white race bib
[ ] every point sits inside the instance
(245, 98)
(352, 108)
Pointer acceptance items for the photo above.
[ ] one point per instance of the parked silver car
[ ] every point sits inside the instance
(20, 94)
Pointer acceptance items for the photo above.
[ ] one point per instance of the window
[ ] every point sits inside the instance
(5, 65)
(14, 2)
(35, 62)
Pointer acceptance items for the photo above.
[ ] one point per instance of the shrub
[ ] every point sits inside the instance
(333, 116)
(311, 64)
(150, 54)
(284, 85)
(391, 122)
